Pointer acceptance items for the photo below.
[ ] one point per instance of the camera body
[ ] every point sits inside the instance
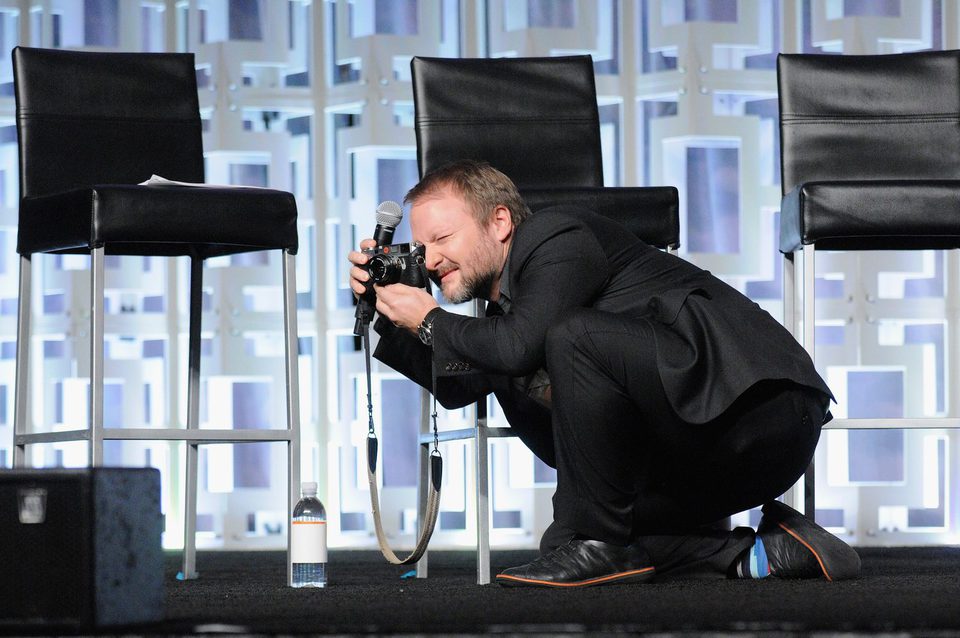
(397, 264)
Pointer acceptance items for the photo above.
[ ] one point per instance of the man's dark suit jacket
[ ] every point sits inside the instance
(713, 343)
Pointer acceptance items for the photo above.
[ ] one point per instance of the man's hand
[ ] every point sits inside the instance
(359, 276)
(405, 306)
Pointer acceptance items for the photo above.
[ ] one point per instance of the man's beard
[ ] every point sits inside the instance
(478, 284)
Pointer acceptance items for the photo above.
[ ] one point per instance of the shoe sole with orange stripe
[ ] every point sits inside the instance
(619, 578)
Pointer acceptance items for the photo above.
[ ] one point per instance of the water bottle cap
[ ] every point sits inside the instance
(309, 488)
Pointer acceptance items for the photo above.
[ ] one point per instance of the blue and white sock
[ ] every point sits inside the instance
(753, 562)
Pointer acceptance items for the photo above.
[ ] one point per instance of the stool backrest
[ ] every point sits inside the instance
(88, 118)
(534, 119)
(877, 117)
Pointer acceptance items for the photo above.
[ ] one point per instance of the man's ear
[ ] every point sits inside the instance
(502, 222)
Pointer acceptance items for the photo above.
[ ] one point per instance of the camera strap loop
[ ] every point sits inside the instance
(428, 518)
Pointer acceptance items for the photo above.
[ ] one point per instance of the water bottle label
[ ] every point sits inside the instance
(308, 542)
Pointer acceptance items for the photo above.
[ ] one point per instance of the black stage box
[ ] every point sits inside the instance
(80, 548)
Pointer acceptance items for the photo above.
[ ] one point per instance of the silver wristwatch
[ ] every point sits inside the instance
(425, 329)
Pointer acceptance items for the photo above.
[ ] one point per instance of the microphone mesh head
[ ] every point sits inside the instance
(389, 214)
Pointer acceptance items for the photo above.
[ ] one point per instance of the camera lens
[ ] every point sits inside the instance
(384, 270)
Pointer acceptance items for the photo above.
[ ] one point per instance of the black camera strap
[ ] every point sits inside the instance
(429, 517)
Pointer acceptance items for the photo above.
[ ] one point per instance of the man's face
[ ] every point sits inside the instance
(463, 258)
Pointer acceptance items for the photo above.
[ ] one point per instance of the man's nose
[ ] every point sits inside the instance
(432, 259)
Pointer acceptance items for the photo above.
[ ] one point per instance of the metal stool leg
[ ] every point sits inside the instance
(291, 348)
(189, 569)
(423, 483)
(96, 357)
(483, 496)
(793, 496)
(21, 404)
(809, 344)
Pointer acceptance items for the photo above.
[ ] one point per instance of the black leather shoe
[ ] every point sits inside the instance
(799, 548)
(582, 563)
(554, 536)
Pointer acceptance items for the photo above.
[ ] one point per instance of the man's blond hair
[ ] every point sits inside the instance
(480, 185)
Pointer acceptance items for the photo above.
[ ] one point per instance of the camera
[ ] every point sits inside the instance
(397, 264)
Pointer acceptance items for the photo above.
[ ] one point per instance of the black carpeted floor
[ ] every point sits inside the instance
(903, 591)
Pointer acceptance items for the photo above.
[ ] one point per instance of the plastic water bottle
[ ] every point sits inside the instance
(308, 540)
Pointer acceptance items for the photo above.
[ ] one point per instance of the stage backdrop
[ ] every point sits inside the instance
(314, 97)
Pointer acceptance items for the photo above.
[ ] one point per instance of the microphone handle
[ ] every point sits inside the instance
(383, 235)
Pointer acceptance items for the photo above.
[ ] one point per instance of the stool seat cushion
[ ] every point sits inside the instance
(159, 220)
(651, 213)
(872, 215)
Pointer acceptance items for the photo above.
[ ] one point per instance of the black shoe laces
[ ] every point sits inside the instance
(555, 557)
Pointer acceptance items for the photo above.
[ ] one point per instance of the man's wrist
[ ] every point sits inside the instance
(425, 329)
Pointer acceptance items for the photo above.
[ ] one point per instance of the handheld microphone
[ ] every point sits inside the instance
(389, 215)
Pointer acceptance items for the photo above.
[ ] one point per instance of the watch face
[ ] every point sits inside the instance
(424, 333)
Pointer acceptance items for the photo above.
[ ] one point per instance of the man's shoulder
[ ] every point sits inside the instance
(542, 226)
(553, 219)
(557, 220)
(551, 231)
